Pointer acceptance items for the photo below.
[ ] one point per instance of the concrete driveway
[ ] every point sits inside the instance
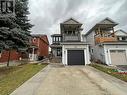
(72, 80)
(69, 81)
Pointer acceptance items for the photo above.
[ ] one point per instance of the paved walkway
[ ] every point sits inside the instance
(72, 80)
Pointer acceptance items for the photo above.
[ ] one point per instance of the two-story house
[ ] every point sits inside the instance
(39, 48)
(69, 44)
(104, 44)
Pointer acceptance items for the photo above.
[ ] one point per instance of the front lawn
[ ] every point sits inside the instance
(13, 77)
(110, 71)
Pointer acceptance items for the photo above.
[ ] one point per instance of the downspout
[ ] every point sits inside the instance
(38, 47)
(33, 54)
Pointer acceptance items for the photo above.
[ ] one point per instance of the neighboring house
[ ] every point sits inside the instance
(104, 45)
(121, 35)
(68, 44)
(39, 48)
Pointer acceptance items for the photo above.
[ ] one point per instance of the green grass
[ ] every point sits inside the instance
(111, 71)
(13, 77)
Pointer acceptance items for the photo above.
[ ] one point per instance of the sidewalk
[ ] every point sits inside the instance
(30, 86)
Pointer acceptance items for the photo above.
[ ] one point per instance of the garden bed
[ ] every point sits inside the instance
(111, 71)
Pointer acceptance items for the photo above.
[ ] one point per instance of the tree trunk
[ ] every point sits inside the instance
(8, 57)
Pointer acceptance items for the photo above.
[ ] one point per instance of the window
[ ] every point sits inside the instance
(34, 39)
(123, 38)
(91, 51)
(10, 7)
(69, 32)
(65, 32)
(60, 39)
(122, 51)
(57, 39)
(6, 6)
(113, 51)
(59, 52)
(0, 53)
(118, 38)
(3, 6)
(54, 39)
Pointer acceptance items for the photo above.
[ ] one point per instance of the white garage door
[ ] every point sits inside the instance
(118, 57)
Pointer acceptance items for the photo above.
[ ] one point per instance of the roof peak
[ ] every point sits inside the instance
(107, 20)
(71, 21)
(120, 30)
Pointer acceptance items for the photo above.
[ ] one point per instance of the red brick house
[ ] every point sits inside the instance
(39, 48)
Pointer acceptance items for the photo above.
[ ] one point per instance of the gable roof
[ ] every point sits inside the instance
(71, 21)
(44, 38)
(106, 21)
(120, 30)
(56, 35)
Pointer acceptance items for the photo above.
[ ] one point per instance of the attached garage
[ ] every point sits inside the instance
(75, 53)
(118, 57)
(75, 57)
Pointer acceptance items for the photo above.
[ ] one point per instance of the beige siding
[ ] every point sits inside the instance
(90, 38)
(118, 57)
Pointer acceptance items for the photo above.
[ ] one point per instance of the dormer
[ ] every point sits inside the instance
(71, 30)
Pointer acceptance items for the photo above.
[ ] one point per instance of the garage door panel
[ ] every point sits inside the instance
(118, 57)
(76, 57)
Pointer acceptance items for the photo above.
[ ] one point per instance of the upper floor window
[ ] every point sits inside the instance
(71, 32)
(56, 39)
(6, 6)
(118, 38)
(123, 38)
(34, 39)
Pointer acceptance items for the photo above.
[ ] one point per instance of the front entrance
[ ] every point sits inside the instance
(75, 57)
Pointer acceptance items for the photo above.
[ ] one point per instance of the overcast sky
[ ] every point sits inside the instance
(47, 14)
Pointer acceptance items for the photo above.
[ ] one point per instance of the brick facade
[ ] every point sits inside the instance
(40, 41)
(14, 55)
(42, 44)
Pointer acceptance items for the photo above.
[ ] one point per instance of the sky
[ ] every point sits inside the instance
(46, 15)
